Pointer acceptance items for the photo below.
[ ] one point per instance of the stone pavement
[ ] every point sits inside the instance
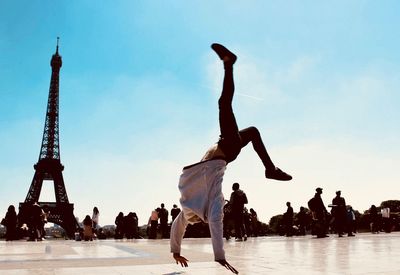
(364, 254)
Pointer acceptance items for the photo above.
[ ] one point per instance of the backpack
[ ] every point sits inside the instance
(311, 204)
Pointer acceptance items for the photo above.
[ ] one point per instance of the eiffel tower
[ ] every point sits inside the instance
(49, 167)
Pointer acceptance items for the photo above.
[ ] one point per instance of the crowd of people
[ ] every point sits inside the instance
(341, 219)
(238, 221)
(237, 217)
(33, 229)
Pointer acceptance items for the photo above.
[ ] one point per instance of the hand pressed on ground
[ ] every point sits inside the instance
(180, 259)
(228, 266)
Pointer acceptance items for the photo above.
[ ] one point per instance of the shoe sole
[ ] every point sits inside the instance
(221, 51)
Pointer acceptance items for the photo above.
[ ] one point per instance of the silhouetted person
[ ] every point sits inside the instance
(163, 216)
(319, 213)
(339, 213)
(45, 215)
(130, 224)
(95, 218)
(254, 222)
(227, 221)
(10, 222)
(386, 223)
(175, 212)
(288, 220)
(87, 228)
(246, 222)
(36, 222)
(302, 221)
(120, 228)
(238, 200)
(374, 219)
(136, 233)
(351, 221)
(153, 222)
(200, 183)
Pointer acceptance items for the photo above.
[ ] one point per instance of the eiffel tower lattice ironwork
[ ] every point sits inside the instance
(49, 167)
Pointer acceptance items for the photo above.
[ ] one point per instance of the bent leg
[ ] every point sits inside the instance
(271, 171)
(251, 134)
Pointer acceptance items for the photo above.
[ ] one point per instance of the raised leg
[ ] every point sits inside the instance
(231, 139)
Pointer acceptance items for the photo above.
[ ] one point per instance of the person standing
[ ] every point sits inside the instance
(36, 225)
(130, 223)
(288, 220)
(254, 222)
(200, 184)
(153, 224)
(163, 216)
(95, 219)
(302, 220)
(120, 226)
(339, 213)
(238, 200)
(374, 219)
(175, 212)
(10, 222)
(319, 213)
(386, 223)
(351, 221)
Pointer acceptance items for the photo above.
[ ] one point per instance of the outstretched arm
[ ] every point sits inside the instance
(227, 266)
(177, 231)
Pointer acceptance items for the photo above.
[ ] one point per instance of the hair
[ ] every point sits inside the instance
(235, 186)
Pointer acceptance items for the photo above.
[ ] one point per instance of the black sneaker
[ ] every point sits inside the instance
(277, 174)
(223, 53)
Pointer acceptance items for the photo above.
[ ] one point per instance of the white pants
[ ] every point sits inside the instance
(201, 200)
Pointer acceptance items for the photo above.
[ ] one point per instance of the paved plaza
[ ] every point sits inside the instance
(364, 254)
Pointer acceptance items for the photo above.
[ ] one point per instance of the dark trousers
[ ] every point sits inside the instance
(240, 230)
(232, 140)
(153, 229)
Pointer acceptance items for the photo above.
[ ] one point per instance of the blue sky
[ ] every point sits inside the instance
(139, 88)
